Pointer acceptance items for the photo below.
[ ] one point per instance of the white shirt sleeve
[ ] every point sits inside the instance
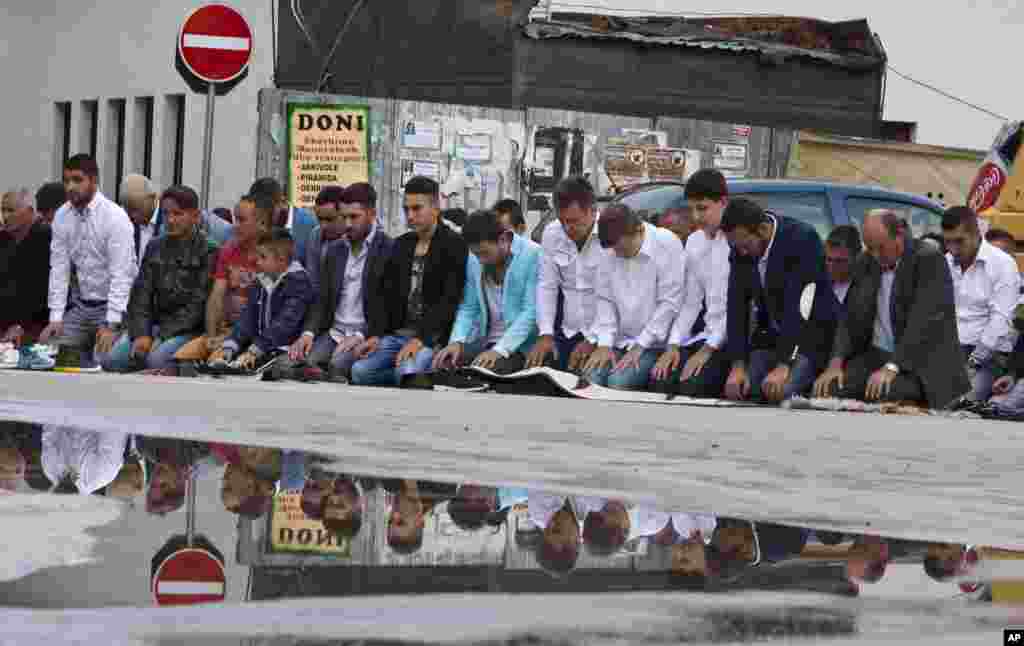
(123, 267)
(60, 267)
(716, 298)
(670, 259)
(606, 319)
(1005, 294)
(102, 461)
(693, 300)
(52, 455)
(547, 286)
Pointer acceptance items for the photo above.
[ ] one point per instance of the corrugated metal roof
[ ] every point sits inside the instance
(849, 45)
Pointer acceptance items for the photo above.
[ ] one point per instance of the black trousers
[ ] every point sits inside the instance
(906, 386)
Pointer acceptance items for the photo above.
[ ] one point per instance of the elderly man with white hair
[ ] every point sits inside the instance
(140, 199)
(24, 268)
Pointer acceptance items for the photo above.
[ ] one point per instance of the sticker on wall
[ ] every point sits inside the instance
(420, 168)
(421, 134)
(277, 132)
(474, 147)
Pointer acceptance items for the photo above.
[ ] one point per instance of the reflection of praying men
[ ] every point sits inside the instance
(77, 460)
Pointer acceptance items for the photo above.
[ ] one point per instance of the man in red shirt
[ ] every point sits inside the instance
(234, 274)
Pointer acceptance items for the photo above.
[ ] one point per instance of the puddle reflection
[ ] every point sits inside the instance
(296, 524)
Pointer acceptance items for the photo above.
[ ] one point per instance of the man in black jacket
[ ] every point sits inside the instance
(350, 278)
(421, 291)
(168, 301)
(24, 269)
(898, 340)
(775, 261)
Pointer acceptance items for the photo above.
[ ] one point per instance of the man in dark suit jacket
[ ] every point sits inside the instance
(898, 340)
(351, 273)
(420, 293)
(775, 259)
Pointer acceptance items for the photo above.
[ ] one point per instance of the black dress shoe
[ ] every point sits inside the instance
(417, 382)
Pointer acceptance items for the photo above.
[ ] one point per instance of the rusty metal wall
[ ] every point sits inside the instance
(768, 149)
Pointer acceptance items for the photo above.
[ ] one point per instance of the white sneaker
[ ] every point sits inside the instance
(9, 355)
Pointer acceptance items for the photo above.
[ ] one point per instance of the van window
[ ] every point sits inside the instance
(922, 220)
(811, 208)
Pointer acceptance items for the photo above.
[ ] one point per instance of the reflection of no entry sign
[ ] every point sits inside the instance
(215, 43)
(187, 577)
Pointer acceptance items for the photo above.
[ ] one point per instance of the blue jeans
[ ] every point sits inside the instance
(630, 379)
(762, 362)
(1013, 401)
(161, 356)
(379, 369)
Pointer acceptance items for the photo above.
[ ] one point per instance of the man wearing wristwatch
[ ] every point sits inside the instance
(898, 340)
(93, 255)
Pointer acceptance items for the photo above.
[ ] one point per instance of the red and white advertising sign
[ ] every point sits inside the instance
(215, 43)
(741, 131)
(188, 577)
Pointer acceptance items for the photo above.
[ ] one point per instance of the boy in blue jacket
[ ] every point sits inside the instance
(276, 309)
(496, 323)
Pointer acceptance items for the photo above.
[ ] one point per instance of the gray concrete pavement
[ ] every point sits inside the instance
(912, 477)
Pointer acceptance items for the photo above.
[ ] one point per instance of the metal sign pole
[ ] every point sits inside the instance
(211, 99)
(190, 512)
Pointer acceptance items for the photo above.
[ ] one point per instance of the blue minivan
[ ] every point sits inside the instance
(824, 205)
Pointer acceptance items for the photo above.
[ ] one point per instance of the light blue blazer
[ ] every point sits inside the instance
(520, 301)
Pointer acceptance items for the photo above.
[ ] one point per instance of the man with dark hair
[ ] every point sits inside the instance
(639, 291)
(92, 255)
(1002, 239)
(986, 286)
(277, 303)
(343, 507)
(841, 251)
(497, 320)
(298, 221)
(168, 301)
(49, 198)
(569, 265)
(556, 515)
(139, 197)
(898, 340)
(352, 272)
(234, 274)
(606, 527)
(24, 269)
(777, 261)
(421, 290)
(330, 227)
(698, 335)
(510, 214)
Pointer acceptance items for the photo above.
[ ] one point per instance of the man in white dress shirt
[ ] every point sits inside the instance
(77, 460)
(571, 255)
(93, 255)
(698, 334)
(986, 285)
(639, 290)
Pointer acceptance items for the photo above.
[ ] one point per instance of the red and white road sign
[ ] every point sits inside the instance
(188, 577)
(215, 43)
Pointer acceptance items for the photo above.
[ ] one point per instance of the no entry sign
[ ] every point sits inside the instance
(215, 43)
(188, 577)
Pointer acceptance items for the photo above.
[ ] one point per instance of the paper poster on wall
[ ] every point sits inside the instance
(665, 164)
(729, 156)
(474, 147)
(292, 531)
(442, 542)
(421, 134)
(626, 165)
(420, 167)
(327, 144)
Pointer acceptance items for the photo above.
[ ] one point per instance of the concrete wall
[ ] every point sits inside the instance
(88, 50)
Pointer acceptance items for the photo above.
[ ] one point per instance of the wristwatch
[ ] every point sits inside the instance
(892, 367)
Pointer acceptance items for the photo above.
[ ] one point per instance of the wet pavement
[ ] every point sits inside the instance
(370, 518)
